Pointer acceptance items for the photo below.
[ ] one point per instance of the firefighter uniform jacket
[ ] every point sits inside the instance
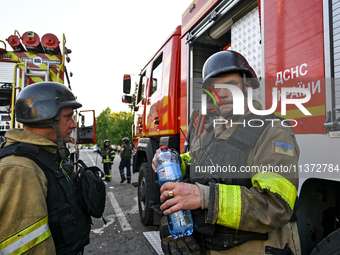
(23, 208)
(39, 199)
(266, 205)
(108, 155)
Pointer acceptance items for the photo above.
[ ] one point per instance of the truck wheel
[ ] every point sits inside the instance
(144, 190)
(329, 245)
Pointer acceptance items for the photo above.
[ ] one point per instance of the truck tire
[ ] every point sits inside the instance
(330, 245)
(144, 191)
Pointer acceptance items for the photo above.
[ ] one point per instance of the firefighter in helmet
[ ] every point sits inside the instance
(125, 154)
(108, 156)
(249, 212)
(38, 183)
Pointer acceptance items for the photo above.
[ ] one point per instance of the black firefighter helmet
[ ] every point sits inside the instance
(43, 101)
(227, 62)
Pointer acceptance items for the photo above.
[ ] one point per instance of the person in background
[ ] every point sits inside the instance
(125, 154)
(108, 156)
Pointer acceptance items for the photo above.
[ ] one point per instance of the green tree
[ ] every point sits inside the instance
(134, 97)
(114, 126)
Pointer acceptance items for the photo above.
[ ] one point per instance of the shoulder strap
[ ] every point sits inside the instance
(41, 157)
(210, 136)
(245, 137)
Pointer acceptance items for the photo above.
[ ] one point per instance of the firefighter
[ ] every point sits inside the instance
(108, 156)
(40, 209)
(242, 213)
(125, 154)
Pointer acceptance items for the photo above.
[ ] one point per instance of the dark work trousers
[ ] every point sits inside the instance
(125, 162)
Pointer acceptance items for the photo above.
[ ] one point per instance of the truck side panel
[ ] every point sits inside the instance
(161, 90)
(194, 13)
(293, 40)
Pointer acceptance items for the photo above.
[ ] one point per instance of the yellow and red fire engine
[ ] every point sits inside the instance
(35, 60)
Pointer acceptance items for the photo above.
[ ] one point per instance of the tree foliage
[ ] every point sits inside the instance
(113, 126)
(134, 97)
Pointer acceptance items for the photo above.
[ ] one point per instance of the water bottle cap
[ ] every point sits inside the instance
(164, 147)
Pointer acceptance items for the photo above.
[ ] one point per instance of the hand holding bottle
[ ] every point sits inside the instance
(185, 196)
(179, 222)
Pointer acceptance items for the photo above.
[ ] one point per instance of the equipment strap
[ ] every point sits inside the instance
(222, 240)
(41, 157)
(276, 251)
(244, 137)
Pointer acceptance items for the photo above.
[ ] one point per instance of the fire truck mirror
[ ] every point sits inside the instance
(127, 99)
(127, 84)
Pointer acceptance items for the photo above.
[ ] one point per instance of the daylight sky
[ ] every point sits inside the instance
(108, 38)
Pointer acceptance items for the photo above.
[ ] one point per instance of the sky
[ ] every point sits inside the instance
(108, 39)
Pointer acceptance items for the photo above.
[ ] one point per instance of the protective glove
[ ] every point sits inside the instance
(186, 245)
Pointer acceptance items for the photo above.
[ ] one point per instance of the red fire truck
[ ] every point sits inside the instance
(289, 44)
(33, 60)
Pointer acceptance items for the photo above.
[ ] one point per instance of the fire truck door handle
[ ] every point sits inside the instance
(156, 121)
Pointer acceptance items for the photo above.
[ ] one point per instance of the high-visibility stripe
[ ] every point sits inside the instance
(162, 132)
(187, 157)
(229, 214)
(26, 239)
(165, 101)
(191, 21)
(165, 118)
(276, 184)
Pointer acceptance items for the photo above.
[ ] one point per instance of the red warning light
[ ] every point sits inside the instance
(14, 42)
(51, 44)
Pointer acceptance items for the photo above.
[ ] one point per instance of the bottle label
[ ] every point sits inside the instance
(169, 172)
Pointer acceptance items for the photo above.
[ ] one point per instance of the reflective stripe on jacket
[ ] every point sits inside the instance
(23, 205)
(108, 155)
(27, 238)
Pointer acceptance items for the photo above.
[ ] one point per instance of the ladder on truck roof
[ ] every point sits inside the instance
(30, 72)
(36, 72)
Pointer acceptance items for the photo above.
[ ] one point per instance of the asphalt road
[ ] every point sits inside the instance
(124, 233)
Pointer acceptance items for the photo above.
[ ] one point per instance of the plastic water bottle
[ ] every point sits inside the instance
(168, 170)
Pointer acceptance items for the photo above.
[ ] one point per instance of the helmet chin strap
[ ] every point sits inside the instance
(63, 152)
